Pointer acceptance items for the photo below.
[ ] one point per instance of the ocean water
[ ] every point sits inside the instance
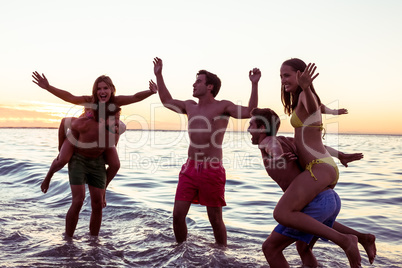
(137, 222)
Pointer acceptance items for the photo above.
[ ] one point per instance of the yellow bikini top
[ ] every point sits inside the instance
(296, 123)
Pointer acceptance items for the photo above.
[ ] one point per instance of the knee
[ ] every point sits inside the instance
(267, 246)
(302, 247)
(97, 207)
(269, 250)
(61, 161)
(77, 202)
(178, 216)
(216, 221)
(97, 204)
(281, 216)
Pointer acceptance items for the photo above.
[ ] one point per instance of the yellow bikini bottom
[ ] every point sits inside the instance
(327, 160)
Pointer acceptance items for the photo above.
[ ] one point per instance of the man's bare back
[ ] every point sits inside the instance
(281, 171)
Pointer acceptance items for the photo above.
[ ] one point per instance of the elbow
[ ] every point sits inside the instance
(247, 112)
(168, 105)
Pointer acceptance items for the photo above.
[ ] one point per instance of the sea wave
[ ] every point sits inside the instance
(137, 222)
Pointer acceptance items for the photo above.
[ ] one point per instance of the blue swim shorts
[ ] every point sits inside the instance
(324, 208)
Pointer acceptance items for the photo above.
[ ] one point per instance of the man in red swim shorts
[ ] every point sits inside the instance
(202, 183)
(202, 178)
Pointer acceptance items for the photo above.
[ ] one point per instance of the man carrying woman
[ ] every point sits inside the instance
(279, 156)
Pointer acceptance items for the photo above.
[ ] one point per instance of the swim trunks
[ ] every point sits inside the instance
(83, 170)
(202, 183)
(324, 208)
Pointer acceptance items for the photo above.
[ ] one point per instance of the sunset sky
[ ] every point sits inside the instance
(356, 45)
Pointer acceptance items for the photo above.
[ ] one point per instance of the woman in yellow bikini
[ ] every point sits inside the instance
(321, 173)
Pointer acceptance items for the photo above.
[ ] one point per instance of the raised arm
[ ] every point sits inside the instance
(326, 110)
(164, 94)
(305, 80)
(238, 111)
(139, 96)
(344, 158)
(62, 94)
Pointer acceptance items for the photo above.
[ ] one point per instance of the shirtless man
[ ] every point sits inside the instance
(87, 165)
(202, 178)
(279, 157)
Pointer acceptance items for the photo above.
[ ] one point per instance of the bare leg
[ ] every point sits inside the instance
(180, 211)
(56, 166)
(97, 195)
(306, 252)
(366, 240)
(66, 151)
(273, 249)
(78, 195)
(65, 124)
(300, 192)
(218, 226)
(113, 162)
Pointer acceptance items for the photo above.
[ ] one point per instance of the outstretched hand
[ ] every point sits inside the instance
(347, 158)
(341, 111)
(305, 79)
(254, 75)
(153, 86)
(158, 66)
(40, 81)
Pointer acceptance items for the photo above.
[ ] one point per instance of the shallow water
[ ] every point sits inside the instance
(137, 223)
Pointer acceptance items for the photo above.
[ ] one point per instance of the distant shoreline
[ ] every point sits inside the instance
(168, 130)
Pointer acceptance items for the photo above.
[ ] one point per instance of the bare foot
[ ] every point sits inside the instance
(308, 259)
(306, 253)
(352, 251)
(368, 242)
(45, 185)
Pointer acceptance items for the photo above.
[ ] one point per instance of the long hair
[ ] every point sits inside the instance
(109, 83)
(289, 100)
(99, 108)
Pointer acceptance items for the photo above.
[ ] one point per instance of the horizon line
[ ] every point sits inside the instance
(177, 130)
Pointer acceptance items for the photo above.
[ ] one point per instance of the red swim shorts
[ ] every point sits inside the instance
(202, 183)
